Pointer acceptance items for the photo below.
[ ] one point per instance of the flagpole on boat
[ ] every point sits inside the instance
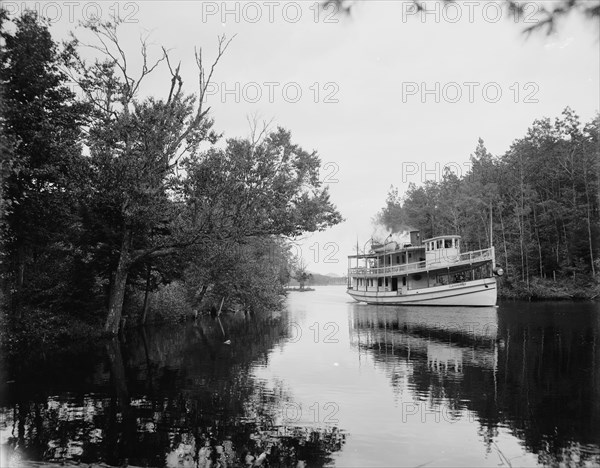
(492, 238)
(491, 226)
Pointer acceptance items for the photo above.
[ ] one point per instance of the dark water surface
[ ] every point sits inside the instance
(328, 382)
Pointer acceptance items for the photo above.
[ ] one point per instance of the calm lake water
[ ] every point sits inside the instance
(327, 382)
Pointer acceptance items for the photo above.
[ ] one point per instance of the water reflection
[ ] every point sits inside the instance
(531, 368)
(162, 396)
(372, 386)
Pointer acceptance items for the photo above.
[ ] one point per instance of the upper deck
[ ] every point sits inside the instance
(438, 252)
(460, 259)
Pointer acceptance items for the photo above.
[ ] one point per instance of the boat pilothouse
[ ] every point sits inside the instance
(429, 272)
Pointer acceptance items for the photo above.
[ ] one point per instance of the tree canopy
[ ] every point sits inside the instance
(548, 14)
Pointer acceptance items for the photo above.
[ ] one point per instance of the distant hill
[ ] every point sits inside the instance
(322, 280)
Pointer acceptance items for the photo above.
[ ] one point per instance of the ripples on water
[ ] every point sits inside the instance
(327, 382)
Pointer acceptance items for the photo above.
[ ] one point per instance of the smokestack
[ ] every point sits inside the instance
(415, 238)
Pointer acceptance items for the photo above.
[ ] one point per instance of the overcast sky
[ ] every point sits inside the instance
(386, 96)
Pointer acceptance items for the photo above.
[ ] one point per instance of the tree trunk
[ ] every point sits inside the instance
(527, 249)
(18, 296)
(589, 223)
(504, 242)
(589, 226)
(539, 243)
(521, 229)
(117, 370)
(201, 294)
(146, 297)
(21, 266)
(117, 293)
(566, 242)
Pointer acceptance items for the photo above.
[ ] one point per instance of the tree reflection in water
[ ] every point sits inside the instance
(175, 395)
(534, 368)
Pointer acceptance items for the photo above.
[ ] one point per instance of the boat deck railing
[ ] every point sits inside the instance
(450, 261)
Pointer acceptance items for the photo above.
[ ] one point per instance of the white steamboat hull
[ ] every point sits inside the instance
(481, 292)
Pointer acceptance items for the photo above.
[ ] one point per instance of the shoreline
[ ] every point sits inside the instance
(540, 289)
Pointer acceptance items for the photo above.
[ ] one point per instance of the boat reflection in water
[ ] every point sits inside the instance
(533, 370)
(444, 339)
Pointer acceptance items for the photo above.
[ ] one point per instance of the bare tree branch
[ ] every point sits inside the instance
(201, 113)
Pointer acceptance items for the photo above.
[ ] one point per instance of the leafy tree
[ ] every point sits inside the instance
(135, 145)
(257, 189)
(249, 274)
(43, 170)
(549, 15)
(301, 273)
(252, 191)
(392, 216)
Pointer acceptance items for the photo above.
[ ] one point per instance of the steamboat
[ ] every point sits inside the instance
(429, 272)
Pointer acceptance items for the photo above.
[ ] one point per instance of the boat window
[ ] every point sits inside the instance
(379, 282)
(459, 277)
(432, 245)
(448, 243)
(439, 244)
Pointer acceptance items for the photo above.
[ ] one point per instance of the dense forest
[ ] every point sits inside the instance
(542, 197)
(111, 194)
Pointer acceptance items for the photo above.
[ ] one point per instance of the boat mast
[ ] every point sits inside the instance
(492, 237)
(491, 227)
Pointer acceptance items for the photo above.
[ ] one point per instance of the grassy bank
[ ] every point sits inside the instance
(540, 289)
(45, 330)
(48, 329)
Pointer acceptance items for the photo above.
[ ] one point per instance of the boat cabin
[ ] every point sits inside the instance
(414, 265)
(432, 252)
(442, 249)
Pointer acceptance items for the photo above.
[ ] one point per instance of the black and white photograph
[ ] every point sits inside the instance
(299, 234)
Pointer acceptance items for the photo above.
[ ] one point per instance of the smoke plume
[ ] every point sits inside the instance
(382, 235)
